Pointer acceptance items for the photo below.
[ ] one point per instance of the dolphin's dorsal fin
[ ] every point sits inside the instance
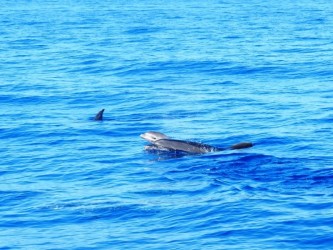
(99, 116)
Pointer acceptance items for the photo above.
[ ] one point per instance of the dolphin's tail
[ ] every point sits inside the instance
(242, 145)
(99, 116)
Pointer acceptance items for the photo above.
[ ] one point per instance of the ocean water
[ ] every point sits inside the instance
(213, 71)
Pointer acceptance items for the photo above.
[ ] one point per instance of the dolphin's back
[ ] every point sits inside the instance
(186, 146)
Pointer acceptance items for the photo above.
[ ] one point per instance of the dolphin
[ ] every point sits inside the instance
(162, 142)
(99, 115)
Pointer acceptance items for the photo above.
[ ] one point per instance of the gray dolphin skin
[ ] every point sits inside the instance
(162, 142)
(99, 115)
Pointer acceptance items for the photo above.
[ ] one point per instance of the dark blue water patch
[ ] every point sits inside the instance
(143, 30)
(13, 197)
(87, 69)
(315, 178)
(267, 169)
(236, 37)
(24, 100)
(35, 23)
(6, 248)
(30, 44)
(44, 95)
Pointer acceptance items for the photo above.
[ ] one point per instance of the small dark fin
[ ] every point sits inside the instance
(242, 145)
(99, 116)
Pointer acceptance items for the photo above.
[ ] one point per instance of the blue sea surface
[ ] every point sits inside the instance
(218, 72)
